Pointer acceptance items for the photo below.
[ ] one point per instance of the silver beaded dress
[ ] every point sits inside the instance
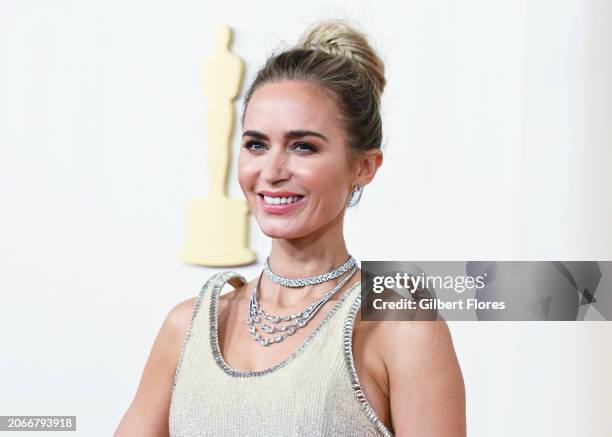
(314, 392)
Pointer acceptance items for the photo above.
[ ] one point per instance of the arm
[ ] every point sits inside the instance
(148, 412)
(427, 392)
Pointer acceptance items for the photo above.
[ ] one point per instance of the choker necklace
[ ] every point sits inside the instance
(310, 280)
(256, 315)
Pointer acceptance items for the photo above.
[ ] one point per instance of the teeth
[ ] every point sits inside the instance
(281, 200)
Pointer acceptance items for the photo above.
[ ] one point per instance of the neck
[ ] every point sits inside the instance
(311, 255)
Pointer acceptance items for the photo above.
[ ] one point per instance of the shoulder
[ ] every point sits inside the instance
(424, 376)
(415, 344)
(169, 340)
(178, 318)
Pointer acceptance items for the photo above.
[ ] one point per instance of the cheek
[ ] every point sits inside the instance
(246, 175)
(327, 181)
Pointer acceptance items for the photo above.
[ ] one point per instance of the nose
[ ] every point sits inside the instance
(275, 166)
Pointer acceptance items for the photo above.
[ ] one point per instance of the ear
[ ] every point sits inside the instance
(366, 166)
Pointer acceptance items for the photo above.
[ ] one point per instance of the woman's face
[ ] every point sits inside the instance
(293, 145)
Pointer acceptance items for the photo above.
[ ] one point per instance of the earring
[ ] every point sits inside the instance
(356, 195)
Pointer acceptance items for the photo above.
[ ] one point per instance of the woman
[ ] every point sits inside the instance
(232, 364)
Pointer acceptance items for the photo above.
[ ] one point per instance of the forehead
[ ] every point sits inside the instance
(289, 105)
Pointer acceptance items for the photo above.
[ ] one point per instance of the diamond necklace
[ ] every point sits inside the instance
(297, 320)
(310, 280)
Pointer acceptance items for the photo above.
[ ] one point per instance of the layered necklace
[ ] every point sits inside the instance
(280, 327)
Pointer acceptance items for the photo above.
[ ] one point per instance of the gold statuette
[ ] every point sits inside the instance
(217, 225)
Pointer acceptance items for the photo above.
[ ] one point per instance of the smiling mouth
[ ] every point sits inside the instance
(280, 205)
(269, 200)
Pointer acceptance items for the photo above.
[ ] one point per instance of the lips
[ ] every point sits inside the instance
(281, 208)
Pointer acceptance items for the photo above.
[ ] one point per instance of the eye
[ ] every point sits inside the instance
(303, 146)
(248, 145)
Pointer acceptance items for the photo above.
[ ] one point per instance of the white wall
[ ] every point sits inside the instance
(497, 147)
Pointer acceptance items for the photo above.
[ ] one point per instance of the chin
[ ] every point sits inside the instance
(280, 232)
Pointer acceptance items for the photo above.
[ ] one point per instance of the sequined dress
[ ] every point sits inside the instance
(314, 392)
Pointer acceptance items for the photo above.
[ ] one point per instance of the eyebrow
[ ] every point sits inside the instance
(288, 135)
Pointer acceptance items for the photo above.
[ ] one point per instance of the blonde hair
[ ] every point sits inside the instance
(335, 55)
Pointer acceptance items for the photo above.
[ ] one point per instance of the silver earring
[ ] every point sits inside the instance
(356, 195)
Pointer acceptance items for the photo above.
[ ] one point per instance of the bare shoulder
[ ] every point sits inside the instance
(178, 318)
(148, 412)
(425, 378)
(421, 346)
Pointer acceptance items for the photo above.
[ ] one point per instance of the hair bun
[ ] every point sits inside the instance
(339, 38)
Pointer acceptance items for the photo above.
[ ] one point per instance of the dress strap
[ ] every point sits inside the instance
(205, 298)
(347, 349)
(233, 278)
